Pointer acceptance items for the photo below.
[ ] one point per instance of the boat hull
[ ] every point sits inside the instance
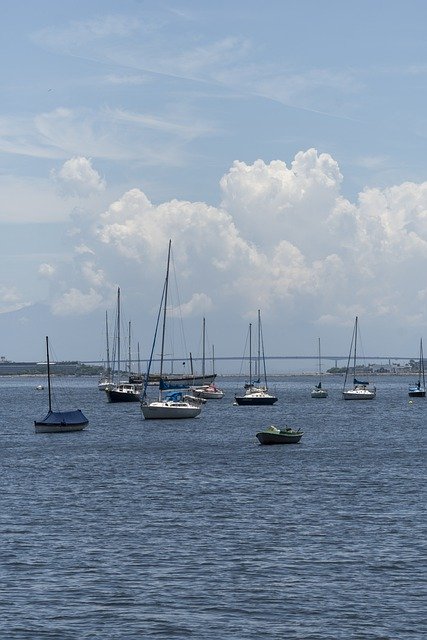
(208, 392)
(283, 437)
(61, 422)
(179, 379)
(169, 410)
(125, 394)
(58, 428)
(319, 393)
(358, 394)
(255, 400)
(103, 386)
(417, 394)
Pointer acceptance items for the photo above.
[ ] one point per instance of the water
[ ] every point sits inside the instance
(190, 529)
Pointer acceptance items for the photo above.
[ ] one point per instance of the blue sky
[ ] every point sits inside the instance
(281, 145)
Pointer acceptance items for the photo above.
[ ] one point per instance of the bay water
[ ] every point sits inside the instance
(191, 529)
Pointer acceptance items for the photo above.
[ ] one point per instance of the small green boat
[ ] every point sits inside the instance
(273, 435)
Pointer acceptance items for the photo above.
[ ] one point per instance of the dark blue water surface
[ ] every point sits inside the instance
(190, 529)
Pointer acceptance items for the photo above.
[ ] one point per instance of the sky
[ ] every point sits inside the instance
(280, 145)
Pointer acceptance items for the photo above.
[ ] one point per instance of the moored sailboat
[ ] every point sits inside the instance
(207, 390)
(121, 391)
(418, 390)
(105, 381)
(171, 405)
(319, 391)
(360, 389)
(255, 394)
(59, 421)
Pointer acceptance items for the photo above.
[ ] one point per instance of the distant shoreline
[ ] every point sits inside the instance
(290, 374)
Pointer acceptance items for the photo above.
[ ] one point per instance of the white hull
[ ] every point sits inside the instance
(359, 394)
(163, 410)
(208, 392)
(58, 428)
(104, 386)
(319, 393)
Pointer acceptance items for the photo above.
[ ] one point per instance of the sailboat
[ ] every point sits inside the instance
(171, 405)
(418, 390)
(105, 381)
(360, 390)
(207, 390)
(59, 421)
(319, 391)
(256, 395)
(122, 391)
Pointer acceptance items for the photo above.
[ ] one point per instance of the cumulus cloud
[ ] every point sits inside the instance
(11, 300)
(46, 270)
(76, 302)
(199, 304)
(77, 177)
(270, 199)
(283, 239)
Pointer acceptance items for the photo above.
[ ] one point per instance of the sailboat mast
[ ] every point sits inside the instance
(250, 354)
(320, 358)
(203, 348)
(129, 349)
(164, 316)
(258, 362)
(355, 348)
(48, 374)
(422, 363)
(118, 334)
(261, 342)
(108, 345)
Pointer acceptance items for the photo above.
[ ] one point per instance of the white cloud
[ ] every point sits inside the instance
(77, 177)
(284, 240)
(47, 270)
(290, 199)
(76, 302)
(11, 300)
(115, 134)
(83, 249)
(199, 305)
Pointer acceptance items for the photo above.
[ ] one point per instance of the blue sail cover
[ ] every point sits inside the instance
(174, 396)
(64, 418)
(164, 385)
(359, 382)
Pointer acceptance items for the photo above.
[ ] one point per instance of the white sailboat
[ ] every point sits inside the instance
(360, 389)
(105, 381)
(319, 391)
(207, 390)
(255, 393)
(418, 390)
(171, 405)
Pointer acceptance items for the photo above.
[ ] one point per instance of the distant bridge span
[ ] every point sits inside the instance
(238, 358)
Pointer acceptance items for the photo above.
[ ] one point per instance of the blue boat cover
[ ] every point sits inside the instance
(174, 396)
(359, 382)
(64, 418)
